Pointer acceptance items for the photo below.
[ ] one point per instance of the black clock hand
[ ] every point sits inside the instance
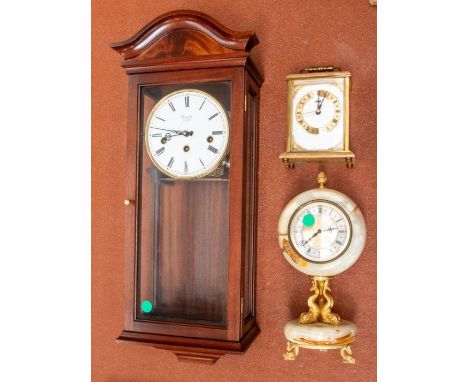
(321, 102)
(310, 238)
(319, 105)
(178, 132)
(185, 133)
(319, 231)
(318, 101)
(172, 131)
(316, 111)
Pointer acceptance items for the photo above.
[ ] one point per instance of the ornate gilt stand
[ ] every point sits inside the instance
(319, 328)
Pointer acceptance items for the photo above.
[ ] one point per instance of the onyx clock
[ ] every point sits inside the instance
(322, 233)
(190, 238)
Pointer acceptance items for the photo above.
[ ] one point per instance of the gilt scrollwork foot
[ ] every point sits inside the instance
(292, 351)
(347, 355)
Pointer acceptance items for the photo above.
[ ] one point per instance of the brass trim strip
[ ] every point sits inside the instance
(339, 341)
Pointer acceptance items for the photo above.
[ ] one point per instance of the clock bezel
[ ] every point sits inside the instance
(338, 207)
(216, 164)
(338, 264)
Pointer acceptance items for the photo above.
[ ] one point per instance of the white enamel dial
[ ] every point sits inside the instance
(317, 117)
(320, 231)
(187, 134)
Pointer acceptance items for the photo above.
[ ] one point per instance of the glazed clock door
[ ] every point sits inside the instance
(184, 182)
(190, 236)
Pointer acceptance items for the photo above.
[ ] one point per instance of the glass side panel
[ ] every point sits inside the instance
(183, 203)
(249, 259)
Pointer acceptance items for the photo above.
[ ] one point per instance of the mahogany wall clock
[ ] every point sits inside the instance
(190, 240)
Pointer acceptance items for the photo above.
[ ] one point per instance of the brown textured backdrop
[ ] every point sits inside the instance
(293, 34)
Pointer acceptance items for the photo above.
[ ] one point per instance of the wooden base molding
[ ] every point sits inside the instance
(191, 349)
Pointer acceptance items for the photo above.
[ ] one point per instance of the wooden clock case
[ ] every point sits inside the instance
(190, 48)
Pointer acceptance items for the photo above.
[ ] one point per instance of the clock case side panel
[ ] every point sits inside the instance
(237, 336)
(130, 239)
(252, 107)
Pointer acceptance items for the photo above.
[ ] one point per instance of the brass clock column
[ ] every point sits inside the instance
(191, 203)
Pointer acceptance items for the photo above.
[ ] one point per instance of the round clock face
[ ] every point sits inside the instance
(317, 120)
(320, 231)
(318, 111)
(187, 134)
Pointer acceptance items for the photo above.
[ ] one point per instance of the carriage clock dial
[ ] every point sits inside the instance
(318, 111)
(318, 117)
(187, 134)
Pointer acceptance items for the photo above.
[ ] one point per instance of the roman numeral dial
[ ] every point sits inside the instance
(187, 134)
(320, 231)
(318, 111)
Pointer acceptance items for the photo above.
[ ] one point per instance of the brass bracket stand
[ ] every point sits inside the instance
(293, 158)
(315, 333)
(320, 303)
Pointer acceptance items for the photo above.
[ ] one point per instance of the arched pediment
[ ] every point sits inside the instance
(184, 33)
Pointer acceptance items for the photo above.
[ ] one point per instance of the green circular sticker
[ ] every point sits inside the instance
(308, 220)
(146, 306)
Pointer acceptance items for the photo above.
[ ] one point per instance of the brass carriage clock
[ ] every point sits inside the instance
(318, 117)
(190, 237)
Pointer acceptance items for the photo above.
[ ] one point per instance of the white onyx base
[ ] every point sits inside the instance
(319, 333)
(320, 336)
(357, 242)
